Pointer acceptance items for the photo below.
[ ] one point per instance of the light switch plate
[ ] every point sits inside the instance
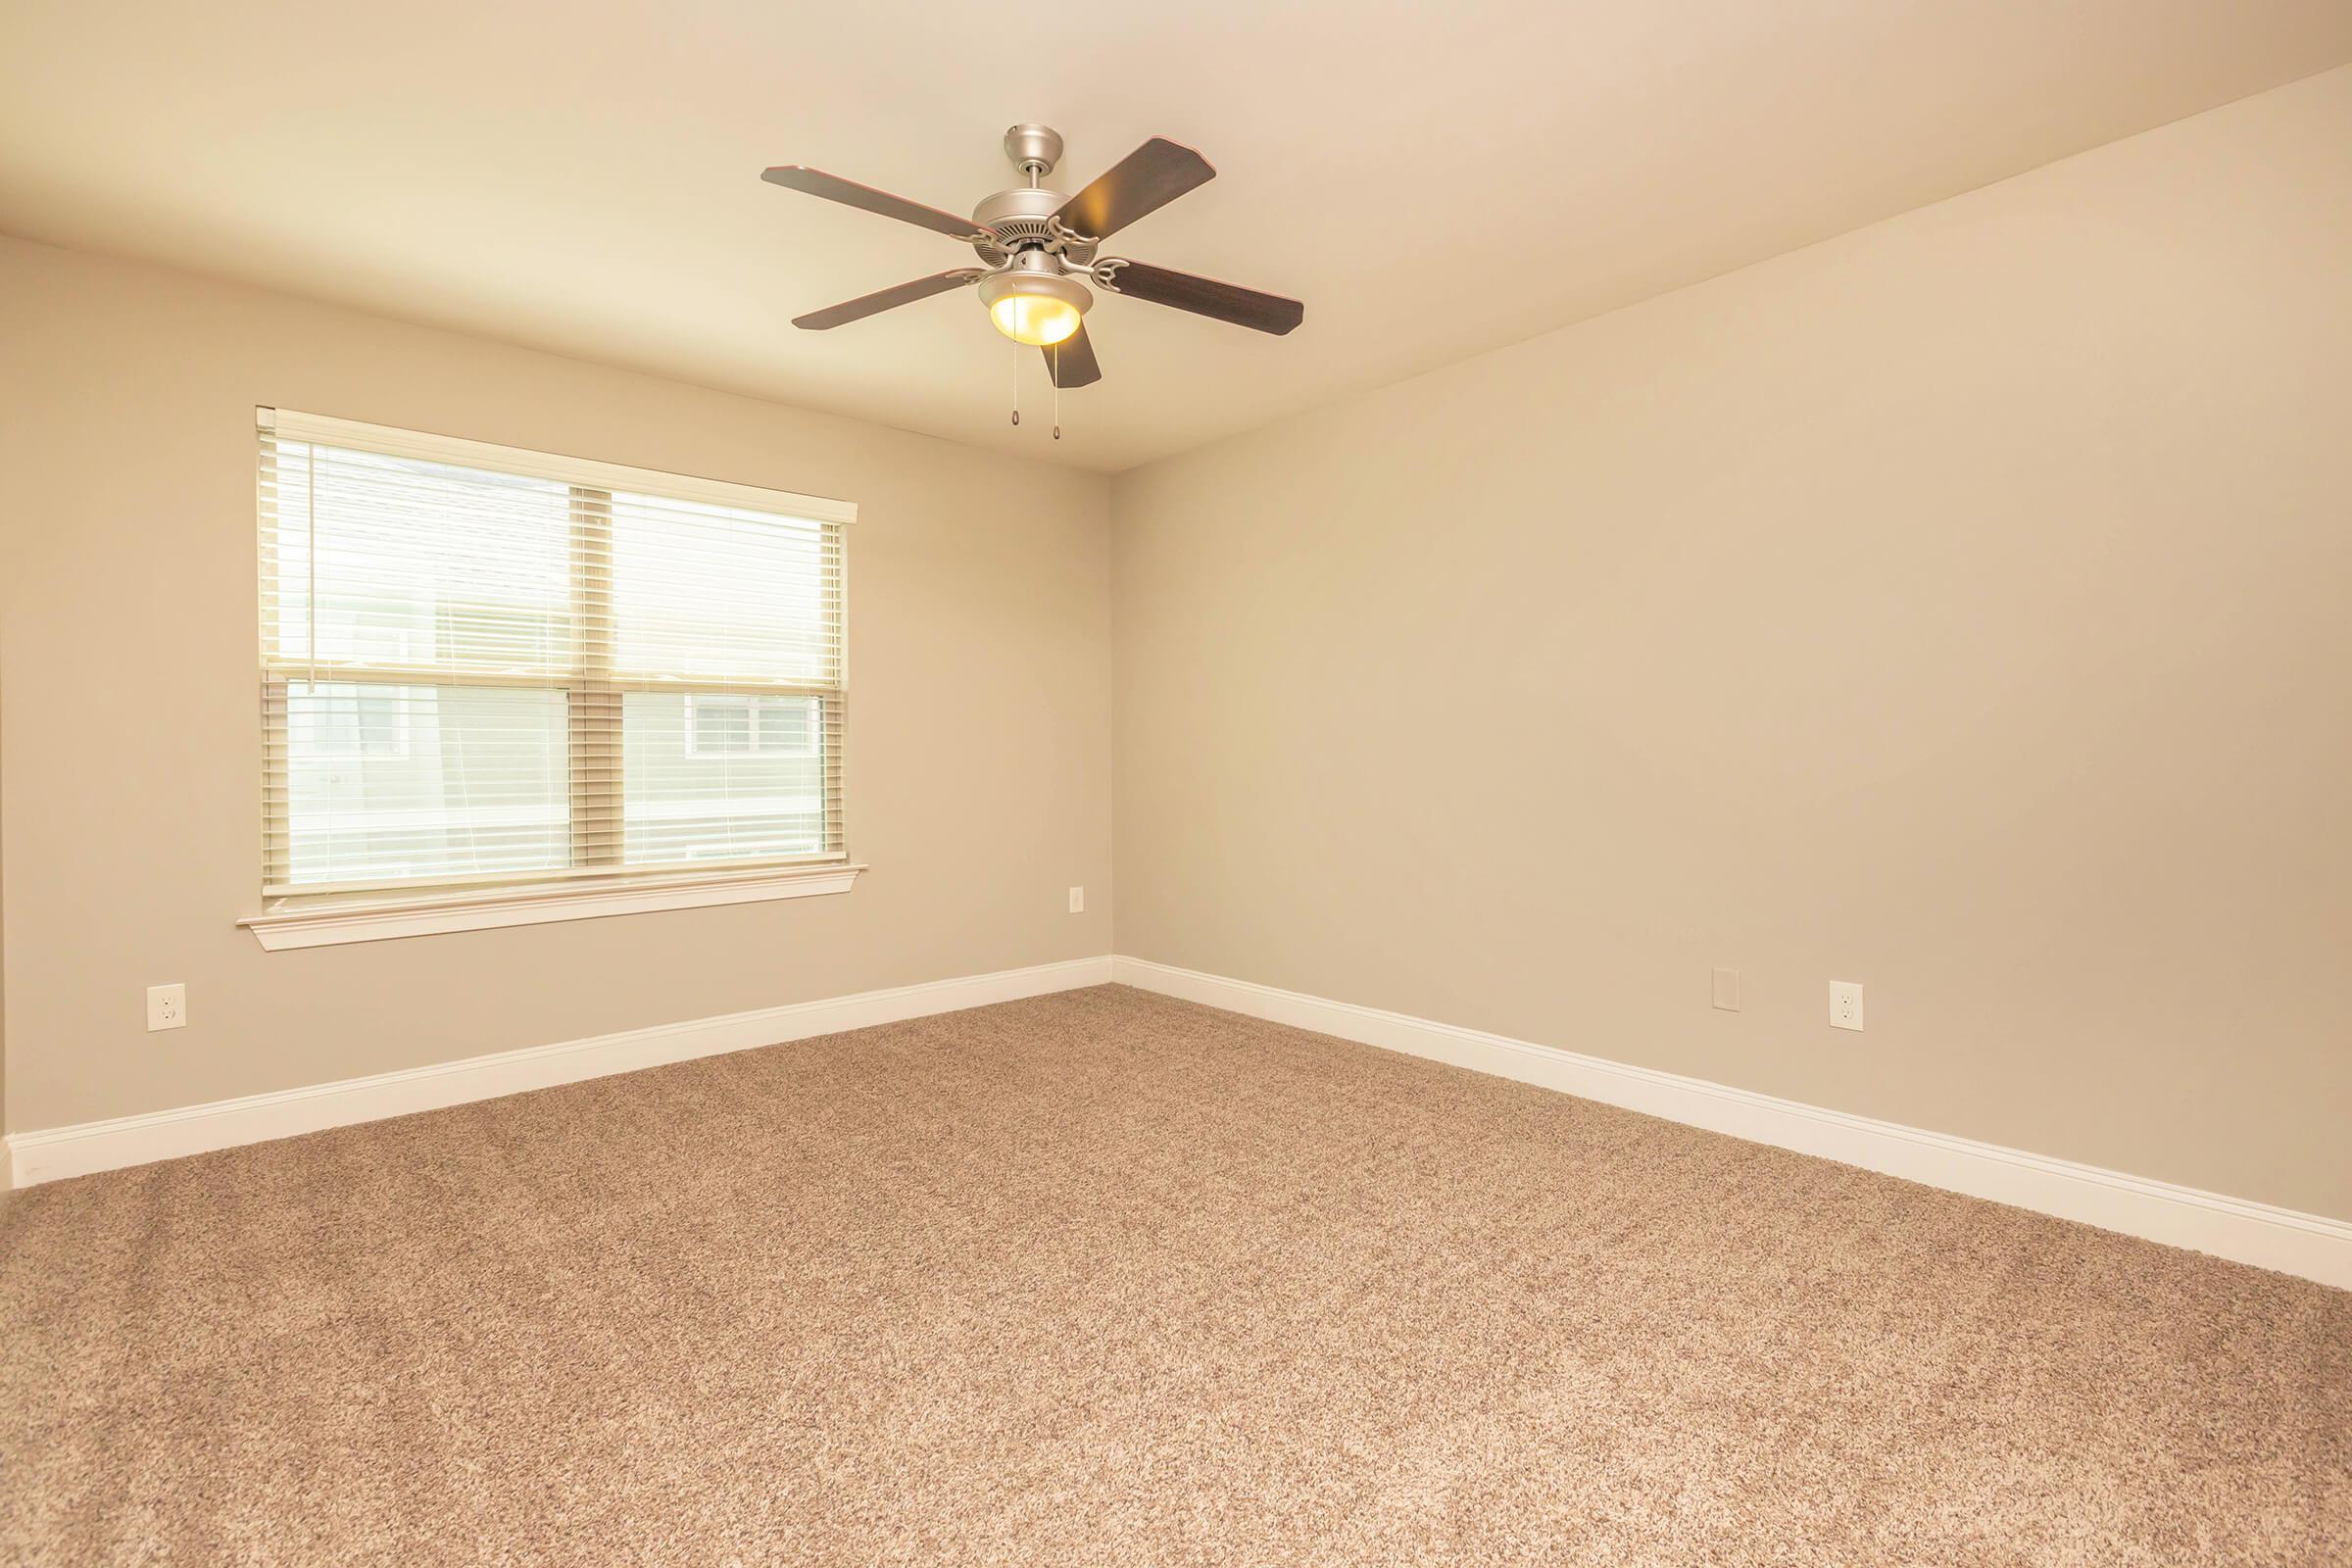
(1727, 990)
(1077, 901)
(1846, 1004)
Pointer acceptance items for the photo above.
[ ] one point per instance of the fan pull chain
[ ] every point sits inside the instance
(1016, 383)
(1058, 391)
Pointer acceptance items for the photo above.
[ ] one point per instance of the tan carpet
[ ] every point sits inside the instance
(1103, 1278)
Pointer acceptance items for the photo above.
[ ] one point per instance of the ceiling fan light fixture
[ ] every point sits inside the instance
(1040, 309)
(1035, 318)
(1034, 245)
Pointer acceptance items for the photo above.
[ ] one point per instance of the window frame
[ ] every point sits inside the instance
(595, 881)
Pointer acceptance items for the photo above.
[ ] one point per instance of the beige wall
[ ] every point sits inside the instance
(1963, 606)
(1957, 607)
(979, 631)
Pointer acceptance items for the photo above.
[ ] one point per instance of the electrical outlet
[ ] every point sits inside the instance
(1727, 990)
(1846, 1005)
(167, 1008)
(1077, 901)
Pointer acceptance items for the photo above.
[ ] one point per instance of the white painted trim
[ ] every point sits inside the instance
(2310, 1245)
(325, 926)
(289, 424)
(59, 1152)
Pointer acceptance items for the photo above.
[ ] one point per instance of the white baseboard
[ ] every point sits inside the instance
(2305, 1245)
(79, 1151)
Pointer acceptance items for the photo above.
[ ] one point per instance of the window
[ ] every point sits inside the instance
(485, 669)
(723, 726)
(350, 721)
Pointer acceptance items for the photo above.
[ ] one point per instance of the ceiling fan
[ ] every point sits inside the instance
(1037, 249)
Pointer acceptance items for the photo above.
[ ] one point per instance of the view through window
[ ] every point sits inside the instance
(476, 675)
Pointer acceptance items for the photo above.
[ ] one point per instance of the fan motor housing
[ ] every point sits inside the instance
(1017, 217)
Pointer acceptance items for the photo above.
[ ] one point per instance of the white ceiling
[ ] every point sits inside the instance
(1434, 180)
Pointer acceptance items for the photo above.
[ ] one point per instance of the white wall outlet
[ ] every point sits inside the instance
(167, 1008)
(1727, 990)
(1077, 901)
(1846, 1005)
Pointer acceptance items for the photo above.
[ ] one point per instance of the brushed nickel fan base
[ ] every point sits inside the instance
(1033, 149)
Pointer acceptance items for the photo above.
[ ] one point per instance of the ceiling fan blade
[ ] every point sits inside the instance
(848, 192)
(865, 305)
(1202, 296)
(1072, 362)
(1144, 181)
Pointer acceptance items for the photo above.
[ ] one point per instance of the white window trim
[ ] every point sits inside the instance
(292, 425)
(323, 919)
(329, 923)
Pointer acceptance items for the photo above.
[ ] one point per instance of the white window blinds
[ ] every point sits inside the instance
(484, 665)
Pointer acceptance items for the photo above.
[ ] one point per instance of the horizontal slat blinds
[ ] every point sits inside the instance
(487, 665)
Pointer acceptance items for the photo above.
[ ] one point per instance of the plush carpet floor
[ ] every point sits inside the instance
(1103, 1278)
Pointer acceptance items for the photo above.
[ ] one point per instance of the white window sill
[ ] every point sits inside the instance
(325, 925)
